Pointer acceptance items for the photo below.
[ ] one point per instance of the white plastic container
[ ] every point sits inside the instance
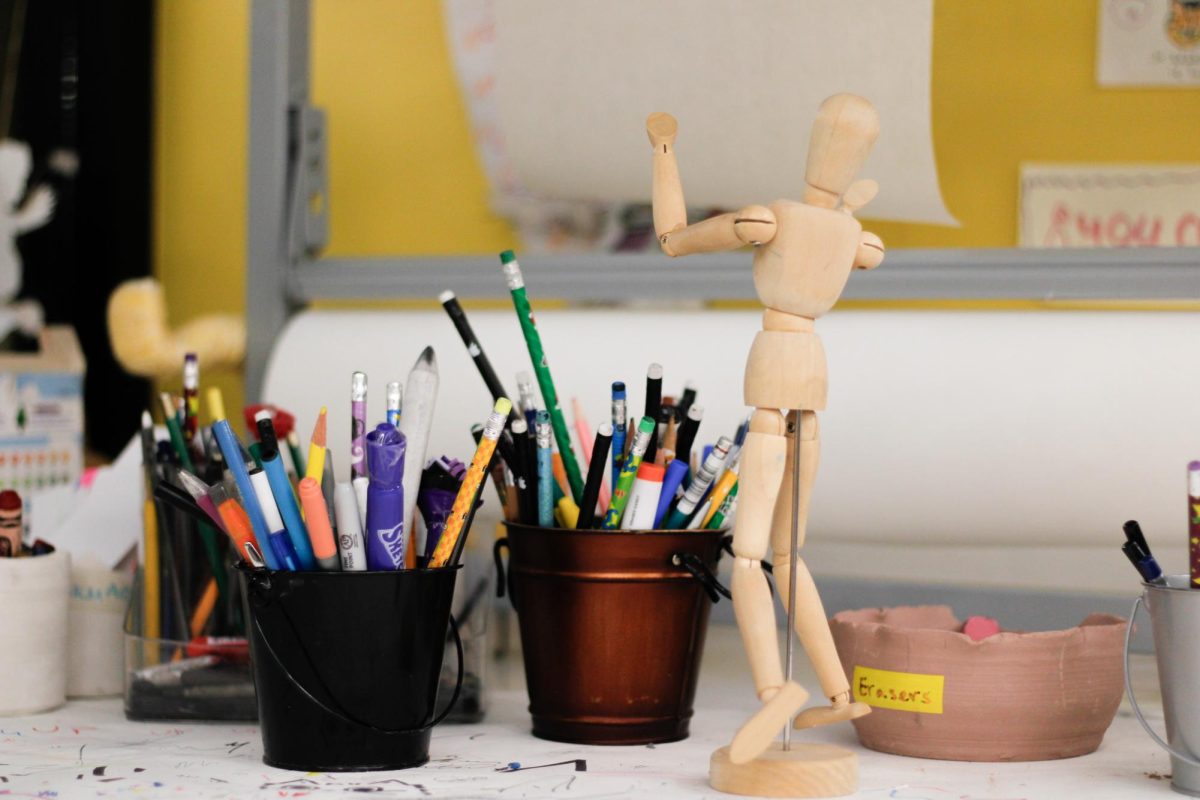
(34, 593)
(96, 653)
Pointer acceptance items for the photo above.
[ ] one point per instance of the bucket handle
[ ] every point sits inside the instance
(1137, 711)
(700, 571)
(341, 713)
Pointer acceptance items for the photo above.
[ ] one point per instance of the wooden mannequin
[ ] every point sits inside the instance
(804, 252)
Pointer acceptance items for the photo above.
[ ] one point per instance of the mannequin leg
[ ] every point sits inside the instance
(762, 467)
(812, 626)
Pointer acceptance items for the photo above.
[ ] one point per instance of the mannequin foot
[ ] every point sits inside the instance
(840, 710)
(756, 735)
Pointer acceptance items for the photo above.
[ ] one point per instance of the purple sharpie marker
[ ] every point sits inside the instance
(385, 533)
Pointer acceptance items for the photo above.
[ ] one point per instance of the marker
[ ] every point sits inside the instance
(541, 367)
(395, 397)
(349, 529)
(474, 349)
(528, 401)
(315, 468)
(237, 525)
(282, 494)
(616, 509)
(696, 490)
(596, 469)
(277, 537)
(191, 395)
(1143, 562)
(386, 528)
(420, 398)
(545, 471)
(618, 429)
(677, 470)
(654, 375)
(231, 448)
(643, 498)
(584, 432)
(686, 436)
(1193, 523)
(324, 548)
(358, 423)
(472, 481)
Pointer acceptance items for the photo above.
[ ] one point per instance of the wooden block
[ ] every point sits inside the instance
(807, 770)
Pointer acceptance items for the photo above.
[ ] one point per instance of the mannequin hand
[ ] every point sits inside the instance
(870, 251)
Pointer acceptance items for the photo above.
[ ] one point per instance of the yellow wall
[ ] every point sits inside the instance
(1012, 82)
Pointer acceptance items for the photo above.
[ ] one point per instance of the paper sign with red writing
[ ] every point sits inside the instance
(903, 691)
(1152, 205)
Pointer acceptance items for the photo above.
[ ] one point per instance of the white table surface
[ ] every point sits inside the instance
(88, 749)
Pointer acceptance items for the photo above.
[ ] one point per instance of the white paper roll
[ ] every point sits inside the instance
(34, 593)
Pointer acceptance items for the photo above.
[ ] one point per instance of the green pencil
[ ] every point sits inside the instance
(516, 285)
(176, 433)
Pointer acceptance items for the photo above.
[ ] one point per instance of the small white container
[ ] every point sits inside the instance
(99, 599)
(34, 593)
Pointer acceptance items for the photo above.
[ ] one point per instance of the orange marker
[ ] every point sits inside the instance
(237, 525)
(319, 531)
(465, 501)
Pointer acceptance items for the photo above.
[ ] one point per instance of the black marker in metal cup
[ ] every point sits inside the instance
(346, 665)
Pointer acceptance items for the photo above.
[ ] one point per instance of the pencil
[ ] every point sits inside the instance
(465, 501)
(315, 466)
(533, 340)
(620, 496)
(584, 431)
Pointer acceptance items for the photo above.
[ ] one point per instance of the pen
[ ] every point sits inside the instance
(700, 484)
(545, 472)
(277, 536)
(394, 398)
(474, 349)
(358, 423)
(281, 493)
(595, 476)
(237, 525)
(232, 451)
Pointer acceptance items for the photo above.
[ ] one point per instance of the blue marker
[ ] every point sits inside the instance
(676, 471)
(231, 449)
(618, 423)
(283, 497)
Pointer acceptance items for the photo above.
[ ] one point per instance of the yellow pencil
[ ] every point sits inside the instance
(151, 580)
(216, 403)
(476, 473)
(719, 492)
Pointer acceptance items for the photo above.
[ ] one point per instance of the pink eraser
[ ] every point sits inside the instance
(980, 628)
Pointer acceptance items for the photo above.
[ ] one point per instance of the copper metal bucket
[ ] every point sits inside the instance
(612, 629)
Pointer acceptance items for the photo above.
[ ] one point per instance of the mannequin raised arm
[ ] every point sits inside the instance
(749, 225)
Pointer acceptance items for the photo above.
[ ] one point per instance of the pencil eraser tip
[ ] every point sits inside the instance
(503, 405)
(655, 371)
(507, 257)
(446, 296)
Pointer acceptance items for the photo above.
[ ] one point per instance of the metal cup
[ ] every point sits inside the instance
(1175, 619)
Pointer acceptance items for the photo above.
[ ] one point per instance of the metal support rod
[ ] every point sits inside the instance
(793, 557)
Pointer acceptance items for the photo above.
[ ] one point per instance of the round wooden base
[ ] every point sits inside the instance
(807, 770)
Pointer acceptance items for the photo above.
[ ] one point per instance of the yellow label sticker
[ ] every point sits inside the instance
(903, 691)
